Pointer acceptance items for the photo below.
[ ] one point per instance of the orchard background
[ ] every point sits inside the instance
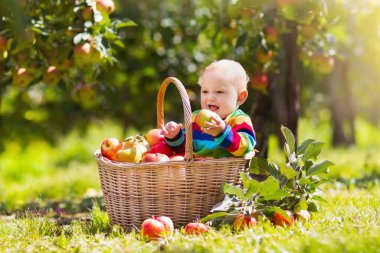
(73, 72)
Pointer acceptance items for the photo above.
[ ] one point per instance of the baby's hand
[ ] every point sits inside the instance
(171, 129)
(215, 127)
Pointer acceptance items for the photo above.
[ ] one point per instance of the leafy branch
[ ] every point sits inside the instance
(292, 186)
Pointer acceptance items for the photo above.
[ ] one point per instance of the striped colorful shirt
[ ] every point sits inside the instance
(237, 139)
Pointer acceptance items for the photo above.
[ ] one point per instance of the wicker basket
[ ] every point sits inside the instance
(183, 190)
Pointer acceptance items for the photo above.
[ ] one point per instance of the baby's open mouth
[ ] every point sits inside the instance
(213, 108)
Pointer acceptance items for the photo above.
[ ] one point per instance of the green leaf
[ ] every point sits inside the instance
(313, 207)
(301, 149)
(119, 43)
(304, 181)
(124, 23)
(301, 205)
(319, 198)
(213, 216)
(268, 187)
(233, 190)
(289, 138)
(312, 151)
(252, 189)
(258, 165)
(277, 195)
(319, 168)
(245, 178)
(288, 172)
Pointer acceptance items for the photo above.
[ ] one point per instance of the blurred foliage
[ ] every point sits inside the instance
(129, 57)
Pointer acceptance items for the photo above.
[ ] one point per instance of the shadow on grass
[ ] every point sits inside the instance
(63, 212)
(365, 182)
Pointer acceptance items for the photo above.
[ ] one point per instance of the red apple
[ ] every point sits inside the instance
(105, 6)
(259, 81)
(168, 224)
(263, 56)
(154, 158)
(152, 229)
(161, 147)
(22, 77)
(196, 228)
(303, 215)
(3, 44)
(177, 158)
(204, 116)
(244, 221)
(154, 136)
(279, 220)
(86, 54)
(271, 34)
(52, 75)
(110, 147)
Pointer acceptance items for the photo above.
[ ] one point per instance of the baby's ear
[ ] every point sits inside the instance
(242, 96)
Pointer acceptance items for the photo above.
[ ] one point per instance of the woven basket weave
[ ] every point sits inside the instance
(183, 190)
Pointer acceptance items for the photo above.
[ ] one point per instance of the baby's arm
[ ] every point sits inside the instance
(238, 138)
(174, 136)
(171, 129)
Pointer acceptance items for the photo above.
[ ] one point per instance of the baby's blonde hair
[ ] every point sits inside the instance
(232, 70)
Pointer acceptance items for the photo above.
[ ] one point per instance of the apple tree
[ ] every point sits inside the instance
(52, 57)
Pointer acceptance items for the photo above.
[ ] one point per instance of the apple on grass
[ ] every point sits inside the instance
(157, 227)
(196, 228)
(110, 147)
(244, 221)
(279, 219)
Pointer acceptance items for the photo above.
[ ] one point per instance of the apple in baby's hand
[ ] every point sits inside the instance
(204, 116)
(163, 148)
(154, 136)
(110, 147)
(154, 158)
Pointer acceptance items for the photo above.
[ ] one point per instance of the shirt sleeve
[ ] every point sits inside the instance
(239, 138)
(178, 142)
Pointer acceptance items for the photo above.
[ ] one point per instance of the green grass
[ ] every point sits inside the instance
(47, 178)
(348, 222)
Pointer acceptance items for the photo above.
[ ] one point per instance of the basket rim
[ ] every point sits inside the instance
(100, 158)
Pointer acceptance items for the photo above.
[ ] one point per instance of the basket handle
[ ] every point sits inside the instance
(186, 112)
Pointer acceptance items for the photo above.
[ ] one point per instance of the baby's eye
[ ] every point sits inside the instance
(204, 91)
(220, 91)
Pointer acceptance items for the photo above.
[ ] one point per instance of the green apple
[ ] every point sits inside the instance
(204, 116)
(22, 77)
(52, 75)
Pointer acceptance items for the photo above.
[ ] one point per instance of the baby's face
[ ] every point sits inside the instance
(218, 94)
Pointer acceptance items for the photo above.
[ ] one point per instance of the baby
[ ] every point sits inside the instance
(223, 90)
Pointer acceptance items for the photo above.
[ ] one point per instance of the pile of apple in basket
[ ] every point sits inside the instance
(150, 147)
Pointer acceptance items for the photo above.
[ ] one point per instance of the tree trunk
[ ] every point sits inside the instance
(292, 86)
(341, 107)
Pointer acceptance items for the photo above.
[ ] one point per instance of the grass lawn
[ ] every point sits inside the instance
(49, 203)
